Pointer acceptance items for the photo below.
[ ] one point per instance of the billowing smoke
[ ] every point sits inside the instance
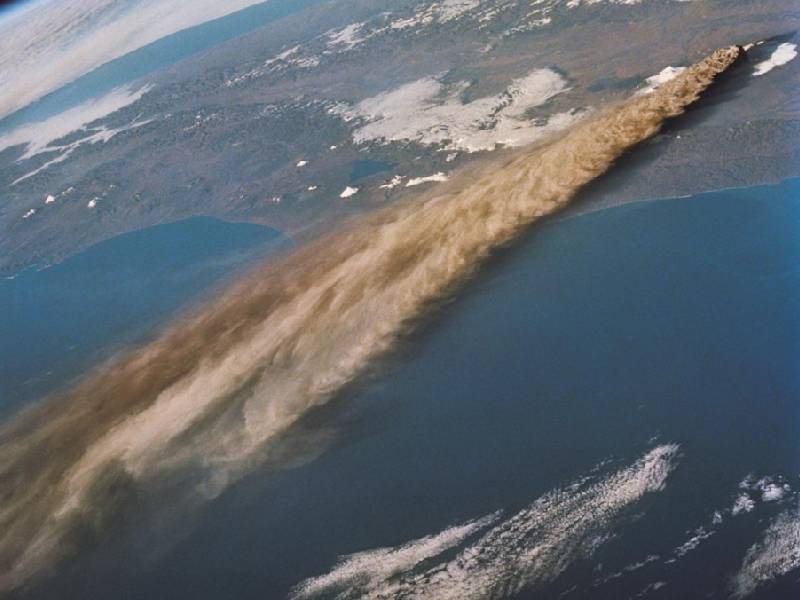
(195, 410)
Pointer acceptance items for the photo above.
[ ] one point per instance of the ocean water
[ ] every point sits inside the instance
(365, 168)
(595, 338)
(57, 322)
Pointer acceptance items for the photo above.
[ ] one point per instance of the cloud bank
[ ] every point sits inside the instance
(36, 136)
(57, 41)
(777, 554)
(432, 113)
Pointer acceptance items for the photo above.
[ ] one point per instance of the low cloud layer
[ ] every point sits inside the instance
(57, 41)
(532, 547)
(430, 112)
(777, 554)
(37, 136)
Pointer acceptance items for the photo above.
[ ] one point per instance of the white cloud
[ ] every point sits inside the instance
(431, 113)
(37, 137)
(436, 177)
(666, 74)
(437, 12)
(743, 504)
(38, 134)
(532, 547)
(782, 55)
(372, 568)
(393, 182)
(773, 492)
(348, 191)
(777, 554)
(57, 41)
(698, 536)
(772, 489)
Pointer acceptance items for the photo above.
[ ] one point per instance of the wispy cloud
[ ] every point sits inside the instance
(38, 135)
(57, 41)
(777, 554)
(531, 547)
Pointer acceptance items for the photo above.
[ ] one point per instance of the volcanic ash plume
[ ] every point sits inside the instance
(183, 417)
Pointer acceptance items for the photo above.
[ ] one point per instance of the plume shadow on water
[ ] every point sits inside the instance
(726, 88)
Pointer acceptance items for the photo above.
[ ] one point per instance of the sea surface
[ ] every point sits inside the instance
(366, 168)
(57, 322)
(594, 339)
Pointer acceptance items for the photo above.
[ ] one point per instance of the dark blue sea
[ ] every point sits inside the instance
(58, 322)
(595, 338)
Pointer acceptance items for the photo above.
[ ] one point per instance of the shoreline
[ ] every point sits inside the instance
(573, 211)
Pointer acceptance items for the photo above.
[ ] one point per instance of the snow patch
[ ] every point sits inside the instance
(345, 38)
(284, 60)
(438, 12)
